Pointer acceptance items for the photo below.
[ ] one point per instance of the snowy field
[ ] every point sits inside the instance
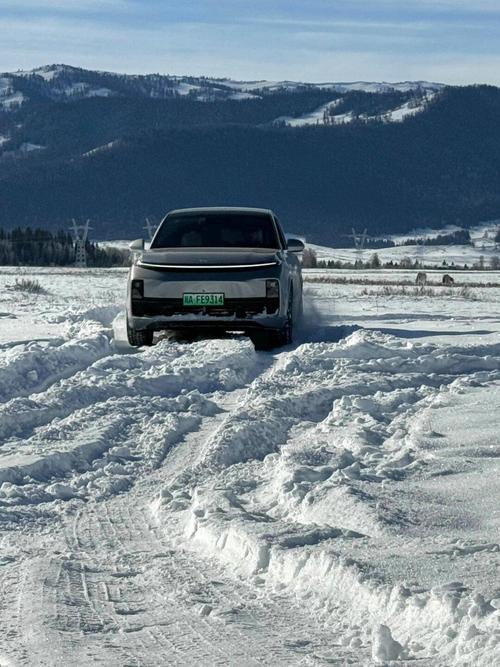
(332, 503)
(426, 255)
(434, 278)
(483, 245)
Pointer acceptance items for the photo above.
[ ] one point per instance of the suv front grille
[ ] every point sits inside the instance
(239, 308)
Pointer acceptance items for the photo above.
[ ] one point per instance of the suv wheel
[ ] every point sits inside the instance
(267, 340)
(139, 337)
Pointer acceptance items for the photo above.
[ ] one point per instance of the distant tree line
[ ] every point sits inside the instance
(39, 247)
(460, 237)
(310, 261)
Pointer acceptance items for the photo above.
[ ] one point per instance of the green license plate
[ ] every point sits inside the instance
(206, 299)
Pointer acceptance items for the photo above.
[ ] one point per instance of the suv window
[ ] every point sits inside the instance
(217, 230)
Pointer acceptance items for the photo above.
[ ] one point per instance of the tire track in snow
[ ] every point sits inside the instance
(167, 370)
(96, 452)
(117, 589)
(117, 409)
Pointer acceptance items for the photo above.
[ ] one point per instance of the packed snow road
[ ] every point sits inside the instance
(335, 502)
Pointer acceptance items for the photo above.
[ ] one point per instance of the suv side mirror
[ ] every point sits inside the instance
(295, 245)
(138, 244)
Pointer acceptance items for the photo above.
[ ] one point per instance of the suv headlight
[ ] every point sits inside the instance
(137, 289)
(272, 289)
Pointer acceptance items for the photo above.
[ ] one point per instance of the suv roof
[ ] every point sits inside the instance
(222, 209)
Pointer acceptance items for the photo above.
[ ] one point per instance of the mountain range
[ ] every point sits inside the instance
(326, 157)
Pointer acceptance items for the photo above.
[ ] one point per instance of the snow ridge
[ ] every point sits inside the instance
(65, 82)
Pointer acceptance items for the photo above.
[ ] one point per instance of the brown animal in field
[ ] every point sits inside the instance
(421, 279)
(447, 280)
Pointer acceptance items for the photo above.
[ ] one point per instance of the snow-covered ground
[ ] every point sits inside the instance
(335, 502)
(460, 255)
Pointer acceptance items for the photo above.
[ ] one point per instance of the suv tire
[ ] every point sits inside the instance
(270, 339)
(139, 337)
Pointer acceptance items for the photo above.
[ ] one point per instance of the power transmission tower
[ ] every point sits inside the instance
(80, 234)
(151, 228)
(359, 244)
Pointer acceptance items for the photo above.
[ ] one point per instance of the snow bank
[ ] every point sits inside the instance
(29, 368)
(305, 560)
(164, 370)
(97, 425)
(296, 488)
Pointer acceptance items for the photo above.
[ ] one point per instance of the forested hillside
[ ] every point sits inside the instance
(119, 158)
(38, 247)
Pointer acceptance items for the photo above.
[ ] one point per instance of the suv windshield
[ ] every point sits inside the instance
(217, 230)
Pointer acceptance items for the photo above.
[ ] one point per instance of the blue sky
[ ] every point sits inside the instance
(454, 41)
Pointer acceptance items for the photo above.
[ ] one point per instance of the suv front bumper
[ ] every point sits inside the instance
(236, 315)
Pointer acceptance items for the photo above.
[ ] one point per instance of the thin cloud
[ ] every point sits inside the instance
(79, 6)
(463, 5)
(430, 5)
(339, 24)
(127, 36)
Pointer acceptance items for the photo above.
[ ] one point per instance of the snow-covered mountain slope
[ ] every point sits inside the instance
(202, 504)
(158, 130)
(10, 98)
(62, 82)
(317, 117)
(326, 114)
